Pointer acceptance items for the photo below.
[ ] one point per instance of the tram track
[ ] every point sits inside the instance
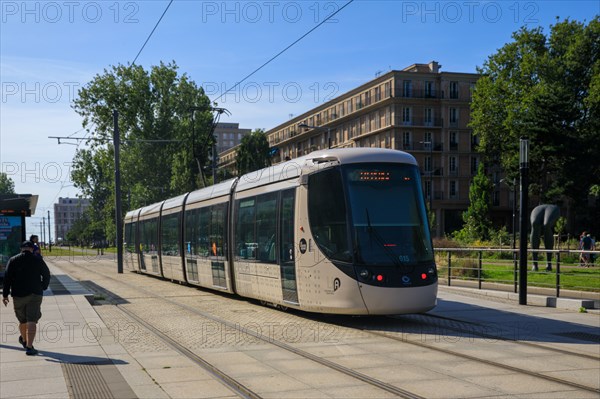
(236, 386)
(228, 380)
(470, 332)
(471, 328)
(387, 335)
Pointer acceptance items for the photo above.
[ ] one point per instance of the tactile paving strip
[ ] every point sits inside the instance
(85, 381)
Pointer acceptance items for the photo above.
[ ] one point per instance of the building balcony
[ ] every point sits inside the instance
(420, 122)
(413, 93)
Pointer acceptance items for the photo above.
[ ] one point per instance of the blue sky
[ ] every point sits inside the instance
(50, 49)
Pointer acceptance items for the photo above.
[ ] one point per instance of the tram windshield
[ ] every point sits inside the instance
(387, 213)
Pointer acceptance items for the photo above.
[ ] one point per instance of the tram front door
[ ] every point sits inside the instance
(286, 247)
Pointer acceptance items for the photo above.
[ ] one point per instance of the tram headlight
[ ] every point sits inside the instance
(364, 274)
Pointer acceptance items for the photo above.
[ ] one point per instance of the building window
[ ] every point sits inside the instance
(406, 140)
(407, 88)
(474, 165)
(378, 93)
(453, 189)
(429, 92)
(428, 141)
(453, 141)
(388, 89)
(428, 116)
(428, 164)
(427, 189)
(453, 89)
(406, 116)
(453, 116)
(452, 166)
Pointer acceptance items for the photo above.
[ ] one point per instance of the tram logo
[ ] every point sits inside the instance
(303, 245)
(336, 284)
(406, 280)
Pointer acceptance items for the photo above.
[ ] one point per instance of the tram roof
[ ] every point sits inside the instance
(293, 168)
(214, 191)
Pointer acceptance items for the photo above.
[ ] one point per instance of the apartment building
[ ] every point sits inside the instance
(66, 212)
(419, 109)
(229, 135)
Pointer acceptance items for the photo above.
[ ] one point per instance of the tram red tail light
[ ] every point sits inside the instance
(423, 276)
(379, 277)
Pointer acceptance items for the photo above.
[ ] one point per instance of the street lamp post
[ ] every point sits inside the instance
(328, 129)
(524, 172)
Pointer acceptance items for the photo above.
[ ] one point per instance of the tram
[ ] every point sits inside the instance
(340, 231)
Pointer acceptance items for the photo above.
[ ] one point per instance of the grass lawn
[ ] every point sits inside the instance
(572, 276)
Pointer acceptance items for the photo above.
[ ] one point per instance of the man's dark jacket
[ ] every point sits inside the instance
(25, 274)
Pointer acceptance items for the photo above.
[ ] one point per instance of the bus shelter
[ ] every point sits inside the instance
(14, 208)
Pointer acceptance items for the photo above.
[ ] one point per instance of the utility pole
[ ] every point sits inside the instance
(118, 215)
(49, 235)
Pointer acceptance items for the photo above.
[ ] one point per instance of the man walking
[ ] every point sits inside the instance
(26, 277)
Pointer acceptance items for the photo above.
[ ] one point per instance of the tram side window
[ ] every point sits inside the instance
(266, 227)
(196, 232)
(287, 227)
(148, 236)
(170, 235)
(245, 235)
(327, 214)
(205, 231)
(217, 230)
(130, 237)
(256, 227)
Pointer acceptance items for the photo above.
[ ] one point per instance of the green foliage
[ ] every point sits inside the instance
(477, 223)
(161, 155)
(546, 88)
(253, 153)
(7, 186)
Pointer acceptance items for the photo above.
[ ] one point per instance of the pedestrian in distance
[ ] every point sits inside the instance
(26, 278)
(36, 245)
(585, 244)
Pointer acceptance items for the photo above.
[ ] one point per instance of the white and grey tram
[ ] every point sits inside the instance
(336, 231)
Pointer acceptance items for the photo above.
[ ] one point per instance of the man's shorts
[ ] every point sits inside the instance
(28, 308)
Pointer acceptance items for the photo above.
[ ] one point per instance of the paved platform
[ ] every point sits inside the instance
(80, 358)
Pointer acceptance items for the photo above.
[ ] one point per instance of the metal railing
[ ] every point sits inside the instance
(498, 268)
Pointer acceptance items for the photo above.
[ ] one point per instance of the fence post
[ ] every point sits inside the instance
(479, 269)
(516, 276)
(558, 274)
(449, 268)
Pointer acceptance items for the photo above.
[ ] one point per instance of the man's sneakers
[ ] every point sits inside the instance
(31, 351)
(28, 351)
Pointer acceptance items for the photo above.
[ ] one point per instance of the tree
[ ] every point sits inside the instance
(545, 88)
(476, 217)
(7, 186)
(159, 155)
(253, 153)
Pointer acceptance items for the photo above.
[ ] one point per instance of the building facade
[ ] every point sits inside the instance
(66, 212)
(421, 110)
(229, 135)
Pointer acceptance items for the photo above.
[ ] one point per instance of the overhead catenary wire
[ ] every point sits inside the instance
(151, 33)
(285, 49)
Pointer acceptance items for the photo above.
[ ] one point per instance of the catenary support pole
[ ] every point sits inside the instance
(118, 214)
